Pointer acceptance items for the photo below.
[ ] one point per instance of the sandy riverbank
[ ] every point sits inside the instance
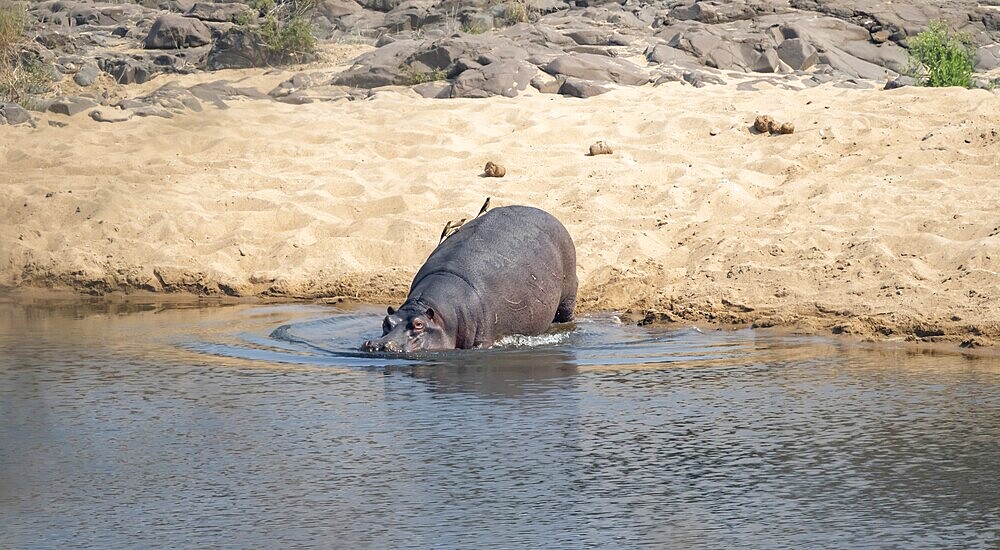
(879, 216)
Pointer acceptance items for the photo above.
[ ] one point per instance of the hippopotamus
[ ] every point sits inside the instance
(509, 271)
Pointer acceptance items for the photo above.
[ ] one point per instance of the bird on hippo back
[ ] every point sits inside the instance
(511, 270)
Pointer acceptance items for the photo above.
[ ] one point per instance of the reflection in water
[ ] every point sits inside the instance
(258, 426)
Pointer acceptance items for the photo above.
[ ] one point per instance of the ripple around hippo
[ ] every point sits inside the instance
(316, 338)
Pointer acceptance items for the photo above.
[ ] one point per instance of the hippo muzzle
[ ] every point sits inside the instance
(382, 345)
(414, 327)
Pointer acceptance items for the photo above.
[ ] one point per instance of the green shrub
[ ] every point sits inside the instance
(414, 76)
(21, 72)
(285, 27)
(293, 38)
(941, 58)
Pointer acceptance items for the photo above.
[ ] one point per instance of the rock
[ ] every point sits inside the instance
(322, 93)
(71, 105)
(798, 54)
(714, 12)
(365, 24)
(546, 83)
(178, 6)
(481, 65)
(380, 5)
(985, 84)
(455, 54)
(988, 58)
(853, 66)
(699, 79)
(434, 90)
(505, 78)
(597, 37)
(13, 114)
(237, 49)
(110, 115)
(494, 170)
(153, 111)
(167, 98)
(664, 53)
(769, 62)
(774, 34)
(412, 15)
(881, 36)
(87, 75)
(786, 128)
(127, 70)
(173, 31)
(899, 82)
(333, 10)
(220, 90)
(713, 47)
(600, 148)
(854, 84)
(69, 13)
(578, 87)
(848, 48)
(597, 68)
(538, 38)
(381, 67)
(298, 82)
(221, 12)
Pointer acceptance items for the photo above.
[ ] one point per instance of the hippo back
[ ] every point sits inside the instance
(518, 259)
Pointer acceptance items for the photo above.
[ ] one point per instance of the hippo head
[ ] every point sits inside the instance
(414, 327)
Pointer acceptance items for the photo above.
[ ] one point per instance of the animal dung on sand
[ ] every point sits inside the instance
(763, 123)
(494, 170)
(766, 124)
(600, 148)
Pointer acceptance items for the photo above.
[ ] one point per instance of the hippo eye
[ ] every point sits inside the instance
(387, 325)
(418, 324)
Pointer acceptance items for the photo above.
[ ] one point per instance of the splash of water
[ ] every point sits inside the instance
(521, 341)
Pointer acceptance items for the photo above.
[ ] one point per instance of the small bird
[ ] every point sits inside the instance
(486, 206)
(450, 228)
(444, 233)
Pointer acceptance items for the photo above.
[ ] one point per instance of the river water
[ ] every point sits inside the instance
(171, 425)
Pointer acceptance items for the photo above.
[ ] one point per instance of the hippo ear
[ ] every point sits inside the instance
(390, 310)
(430, 314)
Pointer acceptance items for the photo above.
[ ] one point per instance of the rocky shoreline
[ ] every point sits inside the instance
(482, 48)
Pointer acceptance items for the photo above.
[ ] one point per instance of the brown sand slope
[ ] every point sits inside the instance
(879, 216)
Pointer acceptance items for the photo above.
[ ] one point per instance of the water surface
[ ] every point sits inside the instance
(248, 426)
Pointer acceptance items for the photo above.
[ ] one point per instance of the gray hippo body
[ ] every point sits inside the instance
(509, 271)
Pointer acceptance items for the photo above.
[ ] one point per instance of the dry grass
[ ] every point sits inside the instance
(21, 74)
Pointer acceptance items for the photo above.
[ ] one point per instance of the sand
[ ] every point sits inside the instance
(879, 217)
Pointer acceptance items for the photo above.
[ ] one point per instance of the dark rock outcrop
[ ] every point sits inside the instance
(13, 114)
(597, 68)
(171, 31)
(505, 78)
(71, 105)
(219, 11)
(238, 49)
